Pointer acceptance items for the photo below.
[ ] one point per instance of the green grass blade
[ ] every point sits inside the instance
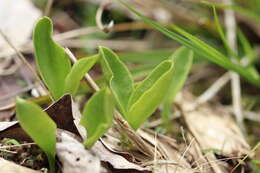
(247, 48)
(51, 58)
(149, 94)
(39, 126)
(77, 72)
(222, 35)
(97, 116)
(147, 56)
(118, 76)
(237, 8)
(199, 47)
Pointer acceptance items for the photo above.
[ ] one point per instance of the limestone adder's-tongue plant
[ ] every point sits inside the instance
(138, 103)
(39, 126)
(53, 62)
(118, 76)
(51, 59)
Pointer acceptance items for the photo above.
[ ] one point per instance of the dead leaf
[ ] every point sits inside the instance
(117, 161)
(74, 157)
(61, 112)
(214, 129)
(10, 167)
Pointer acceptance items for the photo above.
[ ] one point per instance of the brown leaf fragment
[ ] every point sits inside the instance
(117, 161)
(74, 157)
(10, 167)
(61, 112)
(13, 130)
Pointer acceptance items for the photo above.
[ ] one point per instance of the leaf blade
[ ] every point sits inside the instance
(149, 94)
(118, 76)
(97, 116)
(198, 47)
(39, 126)
(51, 58)
(77, 72)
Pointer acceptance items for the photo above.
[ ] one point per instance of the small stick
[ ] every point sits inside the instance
(23, 59)
(104, 28)
(48, 8)
(230, 23)
(213, 89)
(124, 126)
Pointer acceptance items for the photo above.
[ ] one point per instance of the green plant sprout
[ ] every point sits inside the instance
(135, 101)
(39, 126)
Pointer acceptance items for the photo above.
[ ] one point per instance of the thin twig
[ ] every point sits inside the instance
(213, 89)
(23, 59)
(48, 8)
(124, 126)
(104, 28)
(230, 23)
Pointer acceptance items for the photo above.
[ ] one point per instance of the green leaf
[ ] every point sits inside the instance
(39, 126)
(51, 58)
(222, 35)
(249, 13)
(199, 47)
(149, 94)
(77, 72)
(97, 116)
(182, 59)
(118, 76)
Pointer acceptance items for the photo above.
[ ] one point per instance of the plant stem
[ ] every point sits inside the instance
(23, 59)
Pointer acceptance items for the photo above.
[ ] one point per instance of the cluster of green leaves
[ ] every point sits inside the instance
(135, 101)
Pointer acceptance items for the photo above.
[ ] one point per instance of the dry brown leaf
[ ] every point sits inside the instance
(117, 161)
(214, 129)
(74, 157)
(10, 167)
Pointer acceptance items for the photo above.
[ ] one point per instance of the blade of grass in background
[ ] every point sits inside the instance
(199, 47)
(247, 49)
(148, 56)
(231, 53)
(237, 8)
(77, 72)
(149, 93)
